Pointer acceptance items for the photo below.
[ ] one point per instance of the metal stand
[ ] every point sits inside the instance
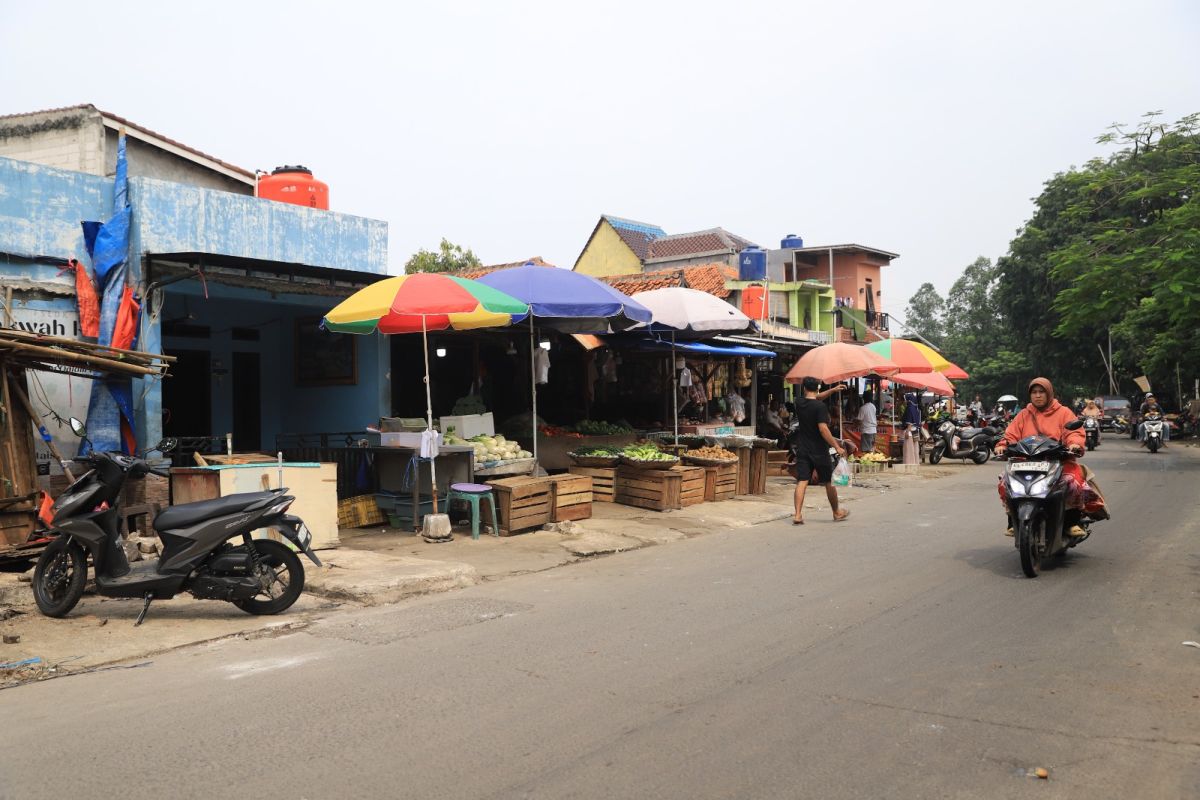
(146, 607)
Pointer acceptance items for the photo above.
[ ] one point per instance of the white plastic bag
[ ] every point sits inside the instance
(841, 473)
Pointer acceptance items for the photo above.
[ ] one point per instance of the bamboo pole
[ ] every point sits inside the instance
(29, 409)
(75, 345)
(69, 355)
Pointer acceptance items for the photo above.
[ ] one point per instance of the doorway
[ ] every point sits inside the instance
(187, 395)
(247, 403)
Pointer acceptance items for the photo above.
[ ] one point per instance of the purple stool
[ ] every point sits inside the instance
(472, 493)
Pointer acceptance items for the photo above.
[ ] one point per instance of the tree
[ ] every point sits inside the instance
(977, 337)
(449, 258)
(925, 312)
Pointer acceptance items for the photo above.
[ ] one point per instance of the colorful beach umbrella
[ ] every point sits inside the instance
(420, 303)
(931, 381)
(910, 356)
(955, 373)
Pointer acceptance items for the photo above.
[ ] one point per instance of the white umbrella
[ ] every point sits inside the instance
(690, 312)
(1008, 398)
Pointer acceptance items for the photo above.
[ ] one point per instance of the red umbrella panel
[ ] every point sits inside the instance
(955, 373)
(930, 381)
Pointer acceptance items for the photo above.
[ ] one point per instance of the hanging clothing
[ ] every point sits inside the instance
(541, 366)
(609, 370)
(737, 407)
(685, 378)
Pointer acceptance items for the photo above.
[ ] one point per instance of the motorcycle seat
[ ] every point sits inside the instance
(190, 513)
(969, 433)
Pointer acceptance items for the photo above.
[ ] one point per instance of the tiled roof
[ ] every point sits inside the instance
(683, 244)
(121, 121)
(479, 272)
(637, 235)
(704, 277)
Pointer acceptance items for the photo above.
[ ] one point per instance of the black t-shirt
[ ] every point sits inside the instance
(807, 438)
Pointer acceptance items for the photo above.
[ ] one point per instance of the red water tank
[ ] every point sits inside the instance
(754, 302)
(294, 185)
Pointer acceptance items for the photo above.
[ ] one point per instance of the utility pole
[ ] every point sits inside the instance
(1112, 383)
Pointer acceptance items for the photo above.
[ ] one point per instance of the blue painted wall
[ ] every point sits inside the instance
(40, 212)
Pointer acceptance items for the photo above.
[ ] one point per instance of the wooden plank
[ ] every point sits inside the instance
(577, 511)
(571, 484)
(576, 498)
(743, 478)
(758, 470)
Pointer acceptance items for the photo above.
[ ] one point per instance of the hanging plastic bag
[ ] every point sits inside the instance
(841, 473)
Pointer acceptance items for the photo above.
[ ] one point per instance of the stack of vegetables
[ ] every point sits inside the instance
(646, 452)
(712, 454)
(491, 448)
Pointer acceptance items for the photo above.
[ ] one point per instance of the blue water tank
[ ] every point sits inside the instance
(791, 242)
(752, 264)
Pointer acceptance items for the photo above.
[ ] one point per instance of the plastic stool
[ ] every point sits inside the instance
(472, 493)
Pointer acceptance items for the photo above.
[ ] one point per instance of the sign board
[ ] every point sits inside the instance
(66, 393)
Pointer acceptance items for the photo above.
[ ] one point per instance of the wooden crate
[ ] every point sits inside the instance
(777, 462)
(572, 497)
(720, 483)
(603, 479)
(522, 503)
(655, 489)
(691, 485)
(360, 512)
(758, 470)
(743, 475)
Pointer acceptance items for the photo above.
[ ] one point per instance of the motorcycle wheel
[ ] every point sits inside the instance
(935, 455)
(1090, 446)
(1031, 543)
(59, 577)
(981, 455)
(288, 574)
(1152, 444)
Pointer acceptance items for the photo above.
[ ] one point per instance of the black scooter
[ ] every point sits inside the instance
(259, 576)
(1091, 428)
(962, 443)
(1036, 499)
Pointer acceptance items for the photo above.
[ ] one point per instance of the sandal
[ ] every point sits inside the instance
(845, 513)
(797, 522)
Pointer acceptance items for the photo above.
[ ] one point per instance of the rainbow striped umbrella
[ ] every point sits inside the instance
(424, 302)
(910, 356)
(420, 303)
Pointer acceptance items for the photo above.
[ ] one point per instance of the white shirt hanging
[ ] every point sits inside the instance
(685, 377)
(429, 443)
(541, 366)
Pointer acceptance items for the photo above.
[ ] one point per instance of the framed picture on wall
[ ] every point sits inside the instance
(324, 358)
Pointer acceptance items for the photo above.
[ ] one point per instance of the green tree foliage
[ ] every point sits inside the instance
(449, 258)
(925, 313)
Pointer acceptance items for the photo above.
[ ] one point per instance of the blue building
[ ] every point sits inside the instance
(231, 286)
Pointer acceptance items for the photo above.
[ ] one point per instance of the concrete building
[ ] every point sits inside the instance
(230, 285)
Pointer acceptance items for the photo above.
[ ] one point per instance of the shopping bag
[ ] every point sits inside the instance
(841, 473)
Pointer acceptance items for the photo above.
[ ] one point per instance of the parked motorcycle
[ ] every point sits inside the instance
(1121, 425)
(1152, 425)
(1091, 428)
(200, 550)
(1036, 499)
(951, 441)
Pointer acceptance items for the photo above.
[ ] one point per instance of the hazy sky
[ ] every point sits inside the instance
(923, 128)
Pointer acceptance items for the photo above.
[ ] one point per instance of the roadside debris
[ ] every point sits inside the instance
(1191, 644)
(12, 638)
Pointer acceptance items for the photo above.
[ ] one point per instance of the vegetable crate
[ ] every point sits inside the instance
(720, 483)
(522, 503)
(359, 512)
(866, 467)
(603, 481)
(743, 465)
(572, 497)
(655, 489)
(691, 485)
(758, 470)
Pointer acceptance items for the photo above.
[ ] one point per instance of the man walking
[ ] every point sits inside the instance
(867, 422)
(812, 449)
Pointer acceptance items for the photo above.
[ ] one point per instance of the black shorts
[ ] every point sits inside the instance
(817, 471)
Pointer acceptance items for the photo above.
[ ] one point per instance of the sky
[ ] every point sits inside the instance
(922, 128)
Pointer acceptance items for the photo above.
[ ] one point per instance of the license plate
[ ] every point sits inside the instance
(304, 535)
(1032, 466)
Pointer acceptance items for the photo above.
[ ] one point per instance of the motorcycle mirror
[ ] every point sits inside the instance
(167, 445)
(78, 428)
(1074, 425)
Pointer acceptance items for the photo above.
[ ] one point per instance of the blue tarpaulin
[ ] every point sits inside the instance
(111, 406)
(710, 349)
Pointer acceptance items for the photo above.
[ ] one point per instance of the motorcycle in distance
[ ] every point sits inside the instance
(972, 443)
(1152, 425)
(1036, 499)
(1091, 428)
(200, 552)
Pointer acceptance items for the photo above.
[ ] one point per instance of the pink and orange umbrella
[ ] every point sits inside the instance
(839, 361)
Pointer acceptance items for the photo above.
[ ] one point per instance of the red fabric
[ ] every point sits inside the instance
(45, 510)
(88, 302)
(125, 329)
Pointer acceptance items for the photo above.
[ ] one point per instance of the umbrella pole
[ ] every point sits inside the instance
(674, 388)
(533, 384)
(429, 415)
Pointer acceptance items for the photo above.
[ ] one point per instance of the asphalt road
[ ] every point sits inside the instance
(898, 654)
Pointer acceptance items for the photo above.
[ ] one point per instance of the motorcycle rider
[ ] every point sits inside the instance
(1046, 416)
(1150, 406)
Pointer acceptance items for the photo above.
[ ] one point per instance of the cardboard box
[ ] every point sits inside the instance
(412, 440)
(469, 425)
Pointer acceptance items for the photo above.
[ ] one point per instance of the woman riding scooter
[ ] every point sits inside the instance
(1045, 416)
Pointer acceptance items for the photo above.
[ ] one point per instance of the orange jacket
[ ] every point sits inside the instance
(1049, 422)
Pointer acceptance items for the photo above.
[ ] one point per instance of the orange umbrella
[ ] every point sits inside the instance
(955, 373)
(838, 361)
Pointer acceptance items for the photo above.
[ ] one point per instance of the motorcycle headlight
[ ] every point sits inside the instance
(1040, 485)
(1016, 486)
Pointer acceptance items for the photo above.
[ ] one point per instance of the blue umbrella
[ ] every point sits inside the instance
(565, 301)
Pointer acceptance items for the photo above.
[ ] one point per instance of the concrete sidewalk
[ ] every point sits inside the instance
(382, 565)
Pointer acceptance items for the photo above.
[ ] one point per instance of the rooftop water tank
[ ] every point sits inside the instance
(752, 264)
(791, 242)
(296, 185)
